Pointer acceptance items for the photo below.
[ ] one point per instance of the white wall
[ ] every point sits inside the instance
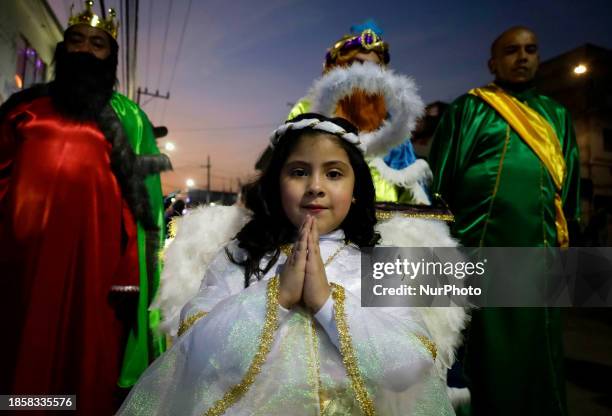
(33, 20)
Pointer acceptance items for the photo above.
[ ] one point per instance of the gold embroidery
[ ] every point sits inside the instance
(429, 345)
(287, 249)
(349, 357)
(314, 363)
(173, 227)
(387, 215)
(496, 187)
(189, 322)
(265, 344)
(542, 214)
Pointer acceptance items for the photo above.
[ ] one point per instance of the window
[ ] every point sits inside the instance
(30, 67)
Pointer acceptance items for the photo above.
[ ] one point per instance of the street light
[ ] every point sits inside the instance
(190, 183)
(169, 146)
(580, 69)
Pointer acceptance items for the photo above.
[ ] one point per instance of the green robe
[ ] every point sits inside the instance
(144, 342)
(502, 195)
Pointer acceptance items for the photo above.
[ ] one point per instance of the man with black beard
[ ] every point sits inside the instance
(81, 220)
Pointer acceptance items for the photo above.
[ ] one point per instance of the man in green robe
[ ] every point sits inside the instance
(506, 162)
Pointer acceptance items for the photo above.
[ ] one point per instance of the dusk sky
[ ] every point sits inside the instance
(242, 61)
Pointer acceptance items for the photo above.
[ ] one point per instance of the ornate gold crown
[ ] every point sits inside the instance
(89, 18)
(368, 40)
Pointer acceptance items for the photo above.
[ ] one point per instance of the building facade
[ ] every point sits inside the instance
(29, 32)
(581, 80)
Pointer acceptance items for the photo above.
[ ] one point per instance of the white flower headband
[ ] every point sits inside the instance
(316, 124)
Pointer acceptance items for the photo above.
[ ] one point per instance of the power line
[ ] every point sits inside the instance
(163, 54)
(178, 54)
(123, 46)
(149, 41)
(126, 25)
(135, 57)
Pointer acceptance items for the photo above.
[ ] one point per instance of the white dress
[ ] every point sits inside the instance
(240, 353)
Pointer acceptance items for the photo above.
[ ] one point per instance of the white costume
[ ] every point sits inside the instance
(242, 354)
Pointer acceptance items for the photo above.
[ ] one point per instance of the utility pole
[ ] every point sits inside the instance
(207, 167)
(150, 94)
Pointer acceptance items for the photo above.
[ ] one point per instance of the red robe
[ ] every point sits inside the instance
(66, 238)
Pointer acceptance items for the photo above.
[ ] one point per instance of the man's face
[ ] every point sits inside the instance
(83, 38)
(370, 56)
(351, 57)
(515, 57)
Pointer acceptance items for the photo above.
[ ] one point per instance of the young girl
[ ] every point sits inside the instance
(277, 326)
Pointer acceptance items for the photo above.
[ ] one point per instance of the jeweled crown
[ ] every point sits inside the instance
(87, 17)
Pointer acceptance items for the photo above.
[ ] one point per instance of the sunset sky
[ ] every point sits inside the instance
(243, 61)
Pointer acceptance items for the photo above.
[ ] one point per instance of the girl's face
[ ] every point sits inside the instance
(317, 179)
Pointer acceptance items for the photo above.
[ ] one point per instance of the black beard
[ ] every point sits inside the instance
(83, 83)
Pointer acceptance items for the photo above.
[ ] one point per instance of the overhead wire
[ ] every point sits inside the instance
(126, 25)
(123, 46)
(164, 44)
(148, 54)
(178, 55)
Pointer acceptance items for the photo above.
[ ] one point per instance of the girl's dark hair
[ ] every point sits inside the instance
(270, 228)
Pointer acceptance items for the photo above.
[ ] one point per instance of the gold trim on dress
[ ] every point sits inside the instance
(314, 362)
(265, 344)
(173, 227)
(387, 215)
(189, 322)
(496, 187)
(429, 344)
(349, 358)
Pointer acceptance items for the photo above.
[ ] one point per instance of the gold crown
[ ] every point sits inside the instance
(89, 18)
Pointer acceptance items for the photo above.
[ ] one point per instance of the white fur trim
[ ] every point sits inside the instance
(401, 99)
(411, 177)
(419, 171)
(400, 231)
(444, 323)
(201, 233)
(458, 396)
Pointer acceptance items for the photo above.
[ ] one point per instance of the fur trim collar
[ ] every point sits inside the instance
(411, 177)
(401, 99)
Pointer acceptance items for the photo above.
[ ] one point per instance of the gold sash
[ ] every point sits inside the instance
(539, 136)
